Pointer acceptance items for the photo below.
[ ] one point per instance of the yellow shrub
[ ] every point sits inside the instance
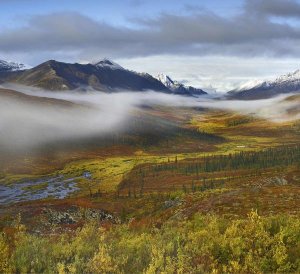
(4, 255)
(202, 244)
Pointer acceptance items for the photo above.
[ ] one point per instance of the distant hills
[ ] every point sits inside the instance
(104, 75)
(252, 90)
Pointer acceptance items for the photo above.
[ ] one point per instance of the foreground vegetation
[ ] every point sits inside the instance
(203, 244)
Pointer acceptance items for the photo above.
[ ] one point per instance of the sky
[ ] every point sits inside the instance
(211, 44)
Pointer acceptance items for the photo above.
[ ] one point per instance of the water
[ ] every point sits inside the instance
(56, 187)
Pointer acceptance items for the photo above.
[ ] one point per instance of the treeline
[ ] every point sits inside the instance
(191, 173)
(271, 157)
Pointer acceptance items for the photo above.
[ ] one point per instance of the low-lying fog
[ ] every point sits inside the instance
(35, 121)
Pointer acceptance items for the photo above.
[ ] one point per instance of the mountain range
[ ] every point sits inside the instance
(108, 76)
(260, 89)
(104, 75)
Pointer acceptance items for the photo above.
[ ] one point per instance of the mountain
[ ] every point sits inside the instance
(257, 89)
(104, 75)
(11, 66)
(178, 88)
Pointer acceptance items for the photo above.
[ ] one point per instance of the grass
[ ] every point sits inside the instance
(114, 163)
(35, 188)
(110, 165)
(108, 173)
(9, 179)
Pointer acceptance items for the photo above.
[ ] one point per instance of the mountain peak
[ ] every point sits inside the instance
(166, 80)
(11, 66)
(250, 85)
(177, 87)
(293, 76)
(107, 63)
(258, 89)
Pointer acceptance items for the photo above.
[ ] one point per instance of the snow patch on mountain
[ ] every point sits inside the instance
(12, 66)
(106, 63)
(168, 82)
(293, 77)
(284, 81)
(251, 84)
(178, 87)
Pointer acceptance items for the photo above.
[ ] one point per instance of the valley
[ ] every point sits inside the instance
(85, 174)
(150, 137)
(167, 158)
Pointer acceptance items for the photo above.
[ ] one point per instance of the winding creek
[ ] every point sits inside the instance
(57, 187)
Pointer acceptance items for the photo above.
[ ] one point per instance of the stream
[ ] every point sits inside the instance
(56, 187)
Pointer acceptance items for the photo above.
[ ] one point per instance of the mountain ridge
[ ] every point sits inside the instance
(103, 75)
(260, 89)
(55, 75)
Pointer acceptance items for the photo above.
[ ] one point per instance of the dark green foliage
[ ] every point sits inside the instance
(271, 157)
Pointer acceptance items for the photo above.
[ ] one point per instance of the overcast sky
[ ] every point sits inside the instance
(208, 43)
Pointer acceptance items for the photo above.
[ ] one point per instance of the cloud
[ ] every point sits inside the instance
(282, 8)
(33, 122)
(199, 33)
(223, 73)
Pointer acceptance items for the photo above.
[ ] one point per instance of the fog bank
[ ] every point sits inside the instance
(36, 121)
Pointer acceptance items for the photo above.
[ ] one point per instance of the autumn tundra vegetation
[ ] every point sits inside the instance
(204, 243)
(198, 191)
(182, 159)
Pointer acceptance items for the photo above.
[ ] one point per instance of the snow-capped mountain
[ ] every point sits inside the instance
(104, 75)
(167, 81)
(257, 89)
(250, 85)
(11, 66)
(177, 87)
(290, 79)
(106, 63)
